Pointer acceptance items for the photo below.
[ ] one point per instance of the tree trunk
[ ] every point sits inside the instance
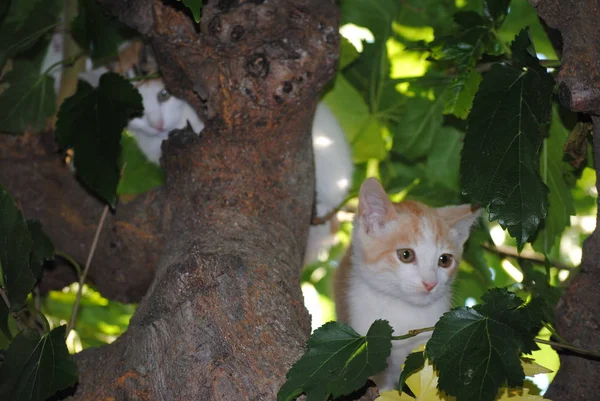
(577, 318)
(223, 318)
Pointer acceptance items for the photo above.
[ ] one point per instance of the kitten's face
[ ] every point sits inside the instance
(162, 112)
(408, 250)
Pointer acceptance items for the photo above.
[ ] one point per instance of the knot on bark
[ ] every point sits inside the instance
(258, 65)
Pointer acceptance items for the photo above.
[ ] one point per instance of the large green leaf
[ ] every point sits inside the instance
(416, 132)
(500, 158)
(95, 32)
(42, 248)
(91, 123)
(36, 367)
(139, 174)
(476, 350)
(560, 200)
(443, 162)
(195, 7)
(459, 96)
(4, 328)
(25, 23)
(361, 127)
(338, 361)
(15, 251)
(28, 100)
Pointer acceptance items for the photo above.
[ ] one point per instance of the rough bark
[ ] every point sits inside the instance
(223, 318)
(129, 246)
(577, 319)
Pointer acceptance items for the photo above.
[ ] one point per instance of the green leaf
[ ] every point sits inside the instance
(35, 367)
(443, 163)
(195, 7)
(94, 32)
(91, 123)
(348, 53)
(377, 18)
(25, 23)
(560, 200)
(470, 19)
(465, 48)
(42, 248)
(538, 283)
(414, 362)
(419, 127)
(15, 251)
(362, 128)
(28, 100)
(338, 361)
(496, 11)
(500, 158)
(139, 174)
(460, 94)
(476, 350)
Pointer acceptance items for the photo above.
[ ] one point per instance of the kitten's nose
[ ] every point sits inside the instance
(429, 286)
(160, 125)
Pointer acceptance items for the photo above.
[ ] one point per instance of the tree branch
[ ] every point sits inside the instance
(510, 252)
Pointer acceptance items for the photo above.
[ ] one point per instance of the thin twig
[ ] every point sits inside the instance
(569, 347)
(413, 333)
(510, 252)
(319, 220)
(85, 270)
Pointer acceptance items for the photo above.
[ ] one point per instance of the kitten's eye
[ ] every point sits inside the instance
(445, 260)
(163, 96)
(406, 255)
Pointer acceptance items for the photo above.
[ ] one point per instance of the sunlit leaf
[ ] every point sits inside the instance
(530, 368)
(460, 94)
(36, 367)
(338, 361)
(15, 251)
(28, 101)
(500, 159)
(91, 123)
(139, 174)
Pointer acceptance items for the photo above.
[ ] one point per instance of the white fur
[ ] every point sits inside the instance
(333, 176)
(160, 118)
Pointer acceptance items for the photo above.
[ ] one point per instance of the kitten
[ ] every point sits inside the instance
(162, 114)
(400, 266)
(333, 176)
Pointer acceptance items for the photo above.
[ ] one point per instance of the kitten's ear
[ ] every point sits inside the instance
(374, 206)
(461, 219)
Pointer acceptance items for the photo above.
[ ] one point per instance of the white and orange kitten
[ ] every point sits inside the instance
(400, 267)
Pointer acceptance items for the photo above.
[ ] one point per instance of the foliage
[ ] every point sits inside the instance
(35, 365)
(475, 350)
(336, 360)
(424, 384)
